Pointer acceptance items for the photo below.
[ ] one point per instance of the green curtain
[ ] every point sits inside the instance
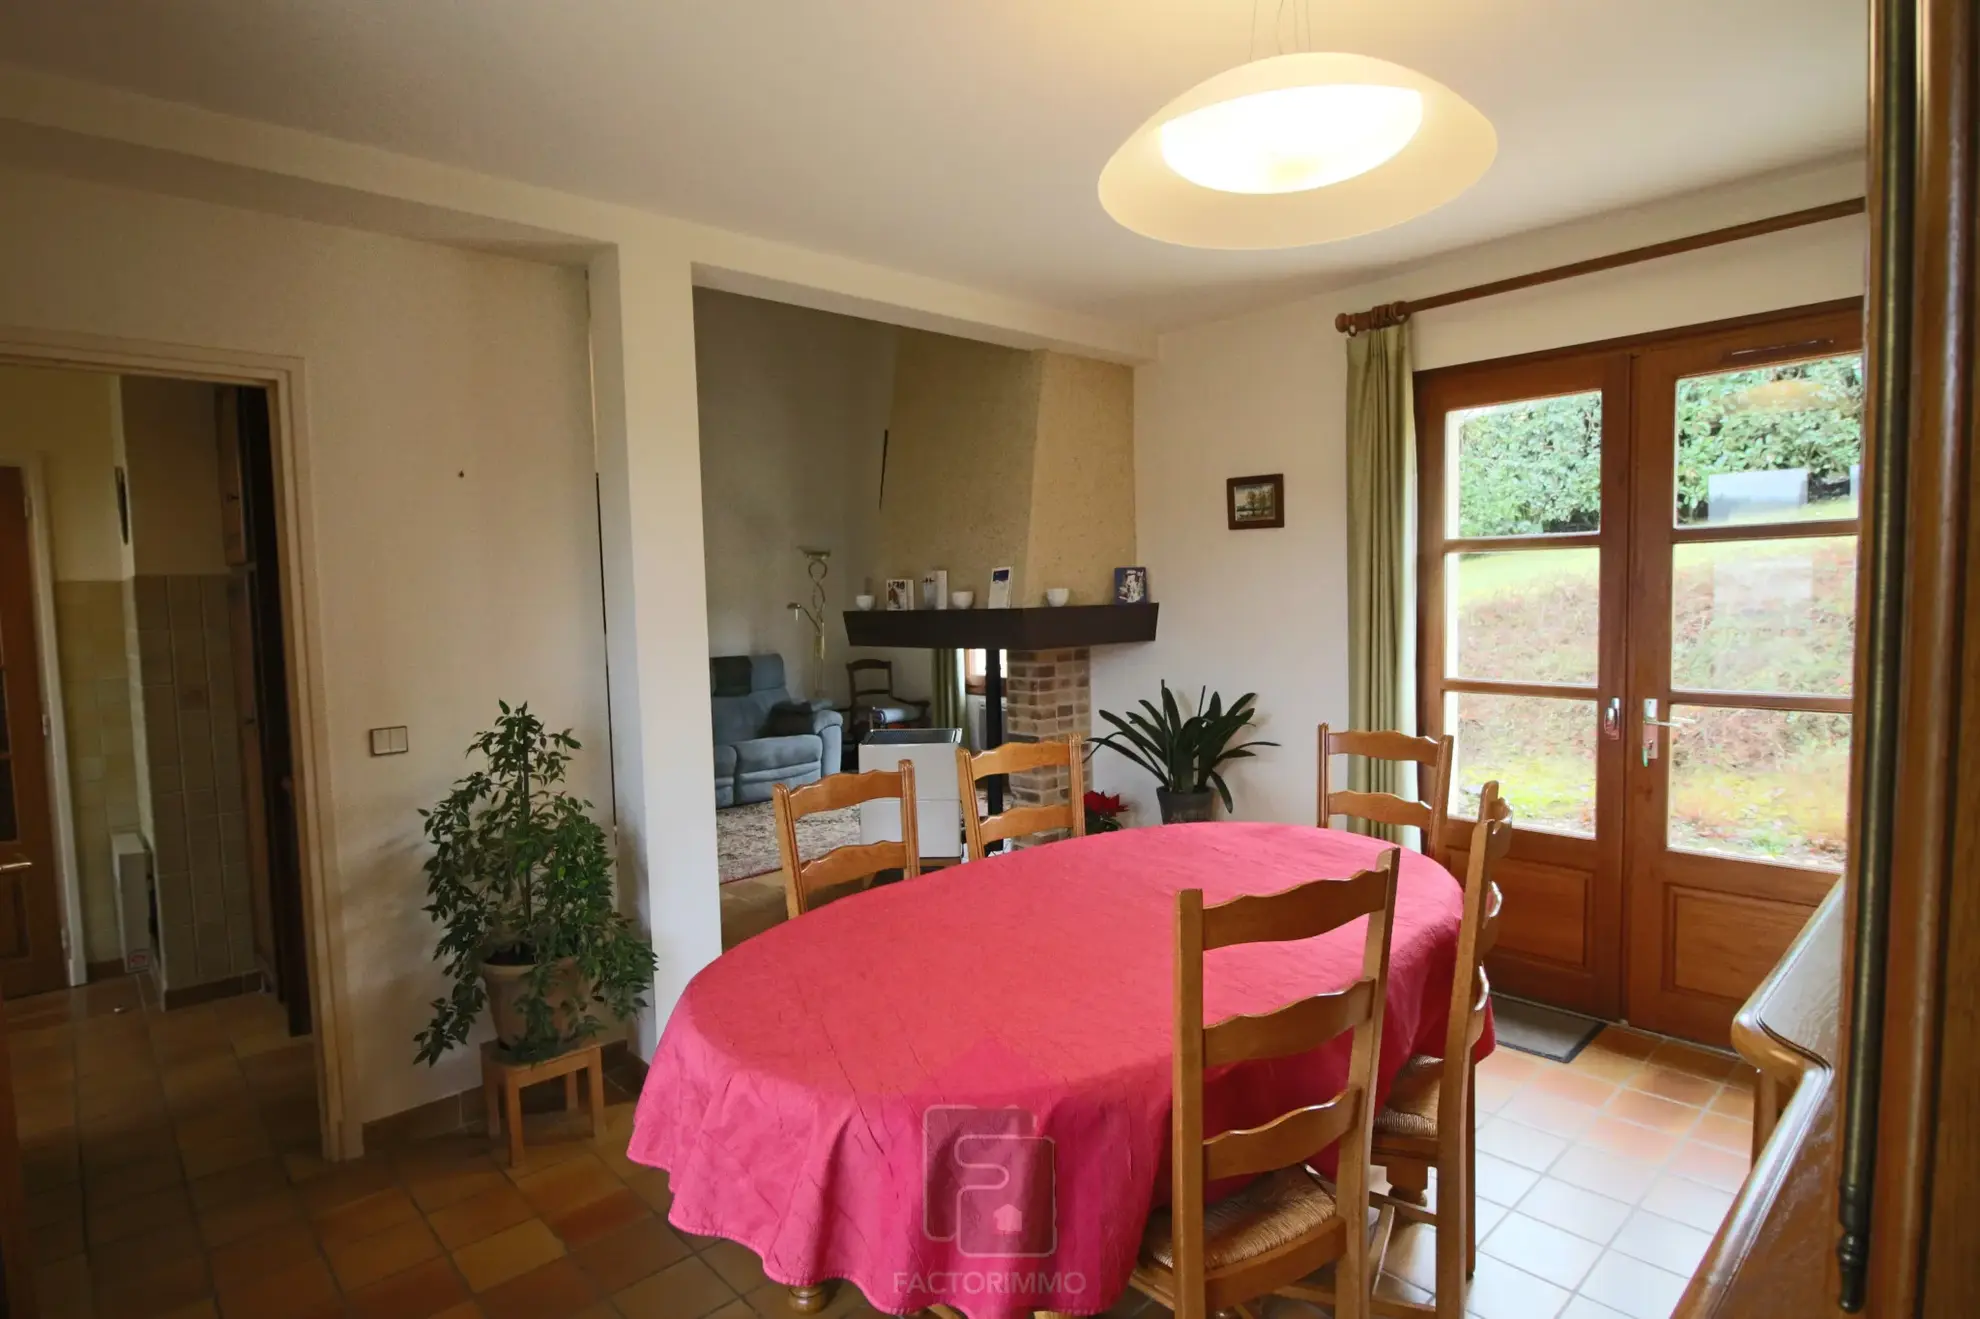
(1381, 518)
(948, 707)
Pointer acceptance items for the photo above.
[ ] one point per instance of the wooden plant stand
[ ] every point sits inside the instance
(503, 1081)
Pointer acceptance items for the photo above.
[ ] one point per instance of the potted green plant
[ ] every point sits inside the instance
(520, 882)
(1184, 753)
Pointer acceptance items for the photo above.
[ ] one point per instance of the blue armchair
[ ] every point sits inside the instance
(762, 736)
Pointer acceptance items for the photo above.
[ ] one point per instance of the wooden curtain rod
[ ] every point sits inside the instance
(1395, 313)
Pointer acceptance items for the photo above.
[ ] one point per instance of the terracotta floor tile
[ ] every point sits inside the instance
(1678, 1087)
(1542, 1250)
(1714, 1167)
(365, 1260)
(345, 1182)
(1577, 1087)
(419, 1292)
(63, 1290)
(364, 1217)
(142, 1213)
(1728, 1133)
(1572, 1209)
(1613, 1136)
(248, 1182)
(1623, 1040)
(1492, 1092)
(687, 1290)
(1544, 1111)
(552, 1291)
(1500, 1291)
(154, 1289)
(1692, 1203)
(737, 1265)
(1506, 1139)
(58, 1240)
(494, 1260)
(1700, 1062)
(1662, 1242)
(651, 1186)
(218, 1227)
(622, 1257)
(437, 1190)
(1734, 1102)
(1649, 1111)
(587, 1223)
(270, 1250)
(1605, 1066)
(1511, 1064)
(303, 1290)
(1639, 1290)
(1605, 1173)
(480, 1216)
(569, 1185)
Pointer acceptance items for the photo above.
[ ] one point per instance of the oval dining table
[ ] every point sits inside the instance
(955, 1090)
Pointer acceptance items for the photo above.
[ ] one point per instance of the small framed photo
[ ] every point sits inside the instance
(1000, 588)
(1130, 586)
(1256, 502)
(900, 593)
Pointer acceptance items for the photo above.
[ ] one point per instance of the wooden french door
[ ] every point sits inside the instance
(31, 956)
(1637, 593)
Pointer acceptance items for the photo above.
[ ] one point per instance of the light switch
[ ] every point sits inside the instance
(389, 741)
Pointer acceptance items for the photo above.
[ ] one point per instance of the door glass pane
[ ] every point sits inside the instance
(1528, 616)
(1765, 616)
(1541, 750)
(1772, 444)
(1525, 468)
(1764, 785)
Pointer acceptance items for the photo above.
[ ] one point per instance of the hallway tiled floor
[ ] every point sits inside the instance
(171, 1171)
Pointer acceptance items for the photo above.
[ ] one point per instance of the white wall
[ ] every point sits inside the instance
(793, 404)
(450, 487)
(1267, 610)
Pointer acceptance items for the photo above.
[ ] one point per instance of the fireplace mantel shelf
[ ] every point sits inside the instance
(1002, 629)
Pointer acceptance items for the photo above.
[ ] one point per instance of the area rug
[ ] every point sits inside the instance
(746, 838)
(1547, 1032)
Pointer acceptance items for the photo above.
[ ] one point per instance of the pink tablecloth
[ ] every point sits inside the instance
(801, 1075)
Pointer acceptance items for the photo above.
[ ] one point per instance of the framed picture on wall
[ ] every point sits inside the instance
(1253, 503)
(1130, 586)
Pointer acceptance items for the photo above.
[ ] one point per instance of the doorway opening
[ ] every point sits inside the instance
(1638, 612)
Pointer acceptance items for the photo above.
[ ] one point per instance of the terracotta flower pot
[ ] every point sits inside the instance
(507, 987)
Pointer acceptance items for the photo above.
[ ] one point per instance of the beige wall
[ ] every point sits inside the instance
(1267, 610)
(171, 436)
(451, 512)
(959, 463)
(793, 406)
(1082, 483)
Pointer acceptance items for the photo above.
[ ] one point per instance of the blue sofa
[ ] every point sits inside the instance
(762, 736)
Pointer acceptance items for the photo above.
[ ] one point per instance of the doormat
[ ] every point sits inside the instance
(1547, 1032)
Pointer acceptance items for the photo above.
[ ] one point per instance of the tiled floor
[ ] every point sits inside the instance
(171, 1171)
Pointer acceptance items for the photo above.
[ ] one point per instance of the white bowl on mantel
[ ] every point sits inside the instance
(961, 599)
(862, 603)
(1057, 596)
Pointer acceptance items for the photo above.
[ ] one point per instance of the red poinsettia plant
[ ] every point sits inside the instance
(1103, 812)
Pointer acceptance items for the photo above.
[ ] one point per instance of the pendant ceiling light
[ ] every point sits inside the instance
(1297, 149)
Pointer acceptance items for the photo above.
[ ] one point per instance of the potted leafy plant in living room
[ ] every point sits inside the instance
(520, 883)
(1185, 753)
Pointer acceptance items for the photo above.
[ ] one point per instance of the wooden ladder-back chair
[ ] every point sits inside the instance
(856, 861)
(1017, 821)
(1432, 754)
(1431, 1118)
(1286, 1224)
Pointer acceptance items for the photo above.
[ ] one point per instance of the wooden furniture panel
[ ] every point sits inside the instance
(1723, 945)
(1546, 913)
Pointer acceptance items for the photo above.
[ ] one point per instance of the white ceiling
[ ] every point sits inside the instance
(963, 139)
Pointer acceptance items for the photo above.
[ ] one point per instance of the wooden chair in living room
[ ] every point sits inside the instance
(1431, 1117)
(1429, 815)
(979, 831)
(1286, 1224)
(855, 862)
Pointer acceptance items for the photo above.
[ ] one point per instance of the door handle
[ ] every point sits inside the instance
(1612, 718)
(6, 866)
(1651, 723)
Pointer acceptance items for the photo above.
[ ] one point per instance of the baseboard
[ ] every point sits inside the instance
(231, 987)
(111, 968)
(464, 1111)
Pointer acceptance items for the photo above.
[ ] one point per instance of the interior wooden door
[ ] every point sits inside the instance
(1742, 641)
(31, 956)
(1522, 648)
